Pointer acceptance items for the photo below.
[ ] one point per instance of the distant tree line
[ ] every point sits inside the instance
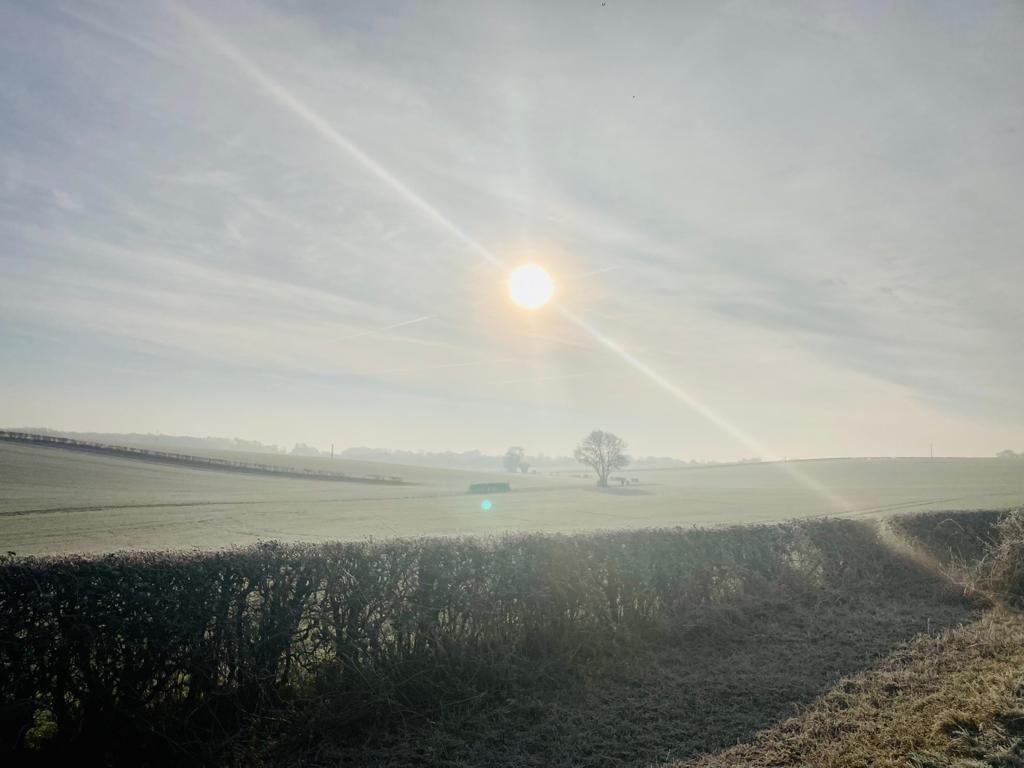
(478, 460)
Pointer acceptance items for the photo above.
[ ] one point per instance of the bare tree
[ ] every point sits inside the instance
(603, 452)
(513, 460)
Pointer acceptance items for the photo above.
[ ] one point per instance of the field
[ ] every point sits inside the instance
(56, 500)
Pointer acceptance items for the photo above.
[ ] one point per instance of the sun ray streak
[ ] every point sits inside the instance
(301, 110)
(285, 98)
(696, 405)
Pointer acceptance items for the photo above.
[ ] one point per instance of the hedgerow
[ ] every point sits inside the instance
(162, 657)
(960, 538)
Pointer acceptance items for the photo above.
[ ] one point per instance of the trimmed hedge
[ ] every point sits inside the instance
(169, 656)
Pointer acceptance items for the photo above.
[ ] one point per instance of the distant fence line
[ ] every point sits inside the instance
(204, 462)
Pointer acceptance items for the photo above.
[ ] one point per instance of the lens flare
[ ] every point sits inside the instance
(486, 505)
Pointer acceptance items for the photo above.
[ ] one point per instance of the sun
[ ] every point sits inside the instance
(530, 286)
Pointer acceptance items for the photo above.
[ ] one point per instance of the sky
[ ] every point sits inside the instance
(787, 229)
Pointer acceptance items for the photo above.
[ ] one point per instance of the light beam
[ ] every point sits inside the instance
(279, 94)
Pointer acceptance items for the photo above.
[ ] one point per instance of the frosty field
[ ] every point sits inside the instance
(58, 500)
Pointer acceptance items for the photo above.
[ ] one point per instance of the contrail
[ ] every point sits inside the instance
(593, 272)
(441, 366)
(538, 379)
(386, 328)
(283, 97)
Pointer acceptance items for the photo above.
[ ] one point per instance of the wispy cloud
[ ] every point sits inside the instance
(332, 192)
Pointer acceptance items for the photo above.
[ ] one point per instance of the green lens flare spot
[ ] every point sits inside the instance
(486, 505)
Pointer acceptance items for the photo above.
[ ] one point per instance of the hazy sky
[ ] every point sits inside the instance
(281, 223)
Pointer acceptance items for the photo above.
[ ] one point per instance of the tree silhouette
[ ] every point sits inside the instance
(514, 459)
(603, 452)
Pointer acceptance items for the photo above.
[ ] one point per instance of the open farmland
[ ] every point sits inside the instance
(58, 500)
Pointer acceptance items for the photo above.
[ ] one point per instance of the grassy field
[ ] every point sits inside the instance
(57, 500)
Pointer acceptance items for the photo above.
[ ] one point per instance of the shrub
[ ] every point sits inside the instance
(173, 654)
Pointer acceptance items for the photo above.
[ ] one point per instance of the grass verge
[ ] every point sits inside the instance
(955, 700)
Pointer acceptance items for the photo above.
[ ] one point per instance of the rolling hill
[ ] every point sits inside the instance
(57, 500)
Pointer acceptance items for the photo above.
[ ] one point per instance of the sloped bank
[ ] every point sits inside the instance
(955, 699)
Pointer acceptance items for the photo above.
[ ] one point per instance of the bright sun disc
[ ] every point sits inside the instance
(530, 286)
